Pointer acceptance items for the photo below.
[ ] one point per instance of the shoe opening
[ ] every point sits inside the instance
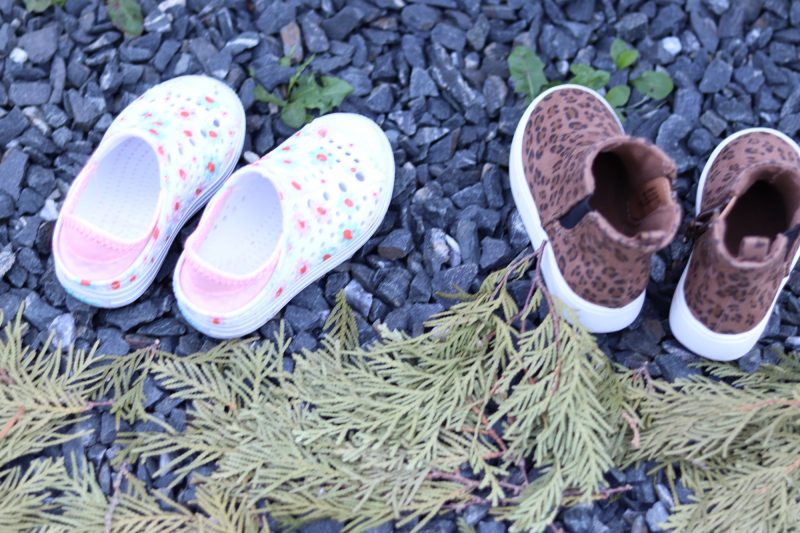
(247, 229)
(630, 188)
(121, 195)
(767, 209)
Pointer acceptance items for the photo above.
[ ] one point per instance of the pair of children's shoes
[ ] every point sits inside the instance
(603, 203)
(270, 229)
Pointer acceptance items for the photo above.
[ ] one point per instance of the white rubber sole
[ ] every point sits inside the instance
(684, 325)
(265, 306)
(595, 318)
(129, 293)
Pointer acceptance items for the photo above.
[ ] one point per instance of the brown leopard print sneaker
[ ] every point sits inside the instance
(748, 204)
(600, 200)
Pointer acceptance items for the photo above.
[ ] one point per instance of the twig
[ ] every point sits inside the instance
(767, 403)
(11, 421)
(458, 478)
(123, 471)
(5, 378)
(643, 372)
(516, 489)
(104, 403)
(636, 441)
(555, 529)
(523, 467)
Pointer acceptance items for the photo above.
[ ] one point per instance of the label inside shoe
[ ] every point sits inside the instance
(650, 196)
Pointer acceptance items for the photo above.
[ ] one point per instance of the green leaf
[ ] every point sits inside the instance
(618, 95)
(306, 91)
(262, 95)
(37, 6)
(589, 77)
(294, 115)
(527, 71)
(623, 55)
(297, 73)
(656, 85)
(334, 91)
(126, 15)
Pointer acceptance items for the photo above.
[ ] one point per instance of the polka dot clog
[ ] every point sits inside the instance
(161, 159)
(283, 222)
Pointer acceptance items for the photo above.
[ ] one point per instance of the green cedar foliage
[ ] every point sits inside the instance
(403, 429)
(735, 439)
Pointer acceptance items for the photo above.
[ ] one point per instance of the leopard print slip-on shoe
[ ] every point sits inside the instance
(748, 205)
(601, 203)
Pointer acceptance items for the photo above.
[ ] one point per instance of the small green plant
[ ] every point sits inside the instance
(38, 6)
(304, 93)
(527, 71)
(126, 15)
(623, 55)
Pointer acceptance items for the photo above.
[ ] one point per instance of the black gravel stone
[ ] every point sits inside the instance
(343, 23)
(12, 170)
(131, 316)
(38, 312)
(396, 245)
(419, 17)
(40, 45)
(717, 76)
(26, 93)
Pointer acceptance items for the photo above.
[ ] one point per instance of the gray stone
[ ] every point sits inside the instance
(341, 25)
(393, 289)
(491, 526)
(578, 519)
(157, 21)
(25, 93)
(381, 99)
(455, 280)
(700, 141)
(108, 428)
(478, 33)
(84, 111)
(750, 78)
(12, 170)
(632, 26)
(12, 125)
(359, 299)
(301, 319)
(275, 16)
(38, 312)
(449, 79)
(6, 206)
(314, 36)
(494, 253)
(449, 36)
(656, 516)
(419, 17)
(717, 76)
(435, 251)
(292, 41)
(672, 132)
(40, 45)
(422, 84)
(713, 122)
(396, 245)
(674, 366)
(718, 7)
(658, 268)
(163, 327)
(128, 317)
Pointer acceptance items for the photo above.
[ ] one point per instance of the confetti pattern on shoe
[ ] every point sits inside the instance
(283, 222)
(161, 159)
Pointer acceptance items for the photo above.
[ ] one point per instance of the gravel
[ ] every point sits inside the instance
(433, 74)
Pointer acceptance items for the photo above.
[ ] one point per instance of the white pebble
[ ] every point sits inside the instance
(18, 55)
(672, 45)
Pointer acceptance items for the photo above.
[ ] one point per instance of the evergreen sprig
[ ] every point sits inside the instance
(735, 443)
(500, 403)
